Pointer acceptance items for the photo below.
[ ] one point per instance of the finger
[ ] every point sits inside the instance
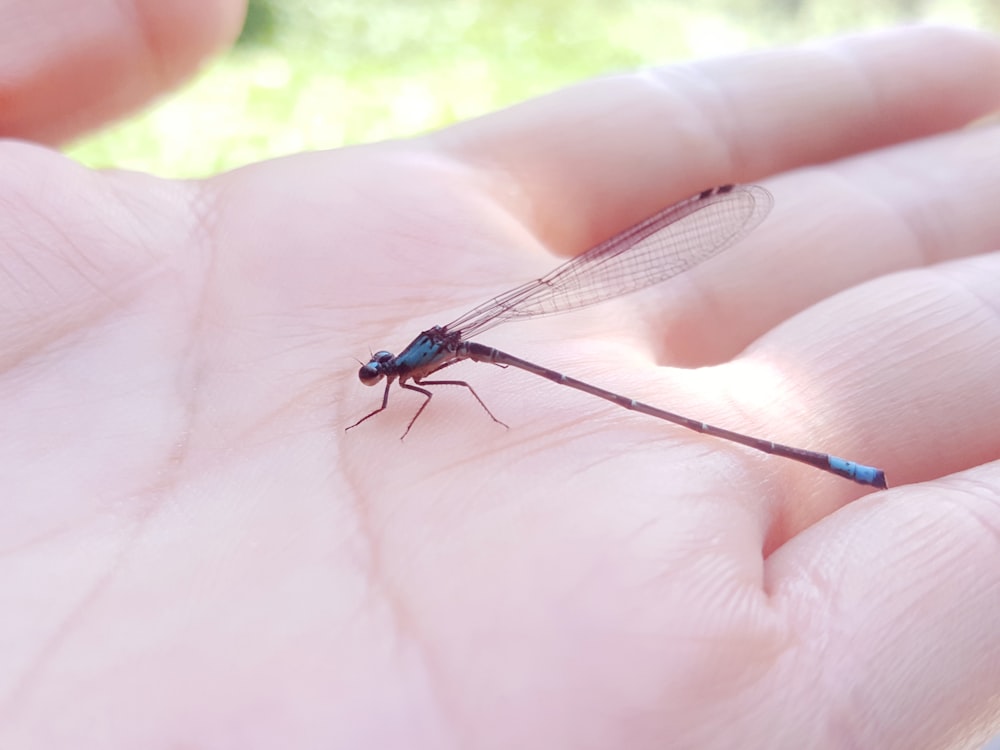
(593, 159)
(931, 347)
(894, 602)
(69, 66)
(832, 227)
(899, 373)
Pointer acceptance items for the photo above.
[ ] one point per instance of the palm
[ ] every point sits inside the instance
(182, 369)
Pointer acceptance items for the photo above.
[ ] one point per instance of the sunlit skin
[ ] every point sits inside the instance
(195, 553)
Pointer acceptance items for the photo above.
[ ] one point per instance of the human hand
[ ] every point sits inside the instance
(195, 551)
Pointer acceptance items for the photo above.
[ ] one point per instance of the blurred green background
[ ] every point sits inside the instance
(309, 74)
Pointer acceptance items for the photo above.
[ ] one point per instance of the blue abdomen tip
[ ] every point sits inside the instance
(858, 472)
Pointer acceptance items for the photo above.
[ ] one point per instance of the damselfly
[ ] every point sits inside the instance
(662, 246)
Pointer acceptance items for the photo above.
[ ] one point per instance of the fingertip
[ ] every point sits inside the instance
(72, 66)
(182, 33)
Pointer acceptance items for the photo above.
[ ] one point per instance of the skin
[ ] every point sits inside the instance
(193, 552)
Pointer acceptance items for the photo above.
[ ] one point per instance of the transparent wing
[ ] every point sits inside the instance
(664, 245)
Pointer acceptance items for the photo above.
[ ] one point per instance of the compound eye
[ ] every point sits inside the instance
(370, 374)
(373, 372)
